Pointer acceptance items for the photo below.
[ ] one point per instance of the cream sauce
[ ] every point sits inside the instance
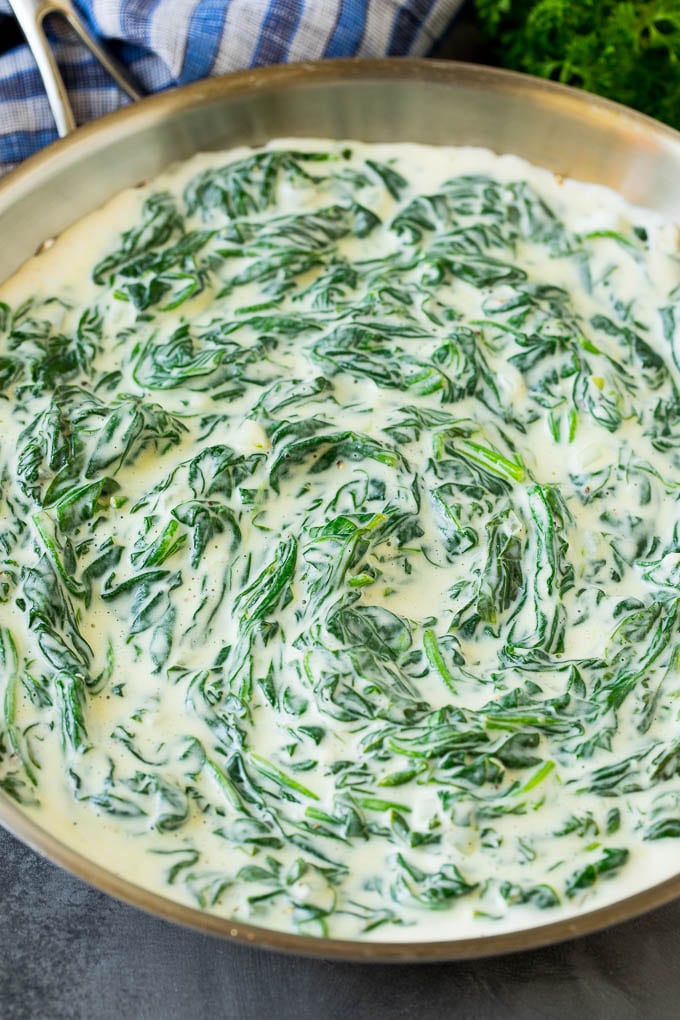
(149, 724)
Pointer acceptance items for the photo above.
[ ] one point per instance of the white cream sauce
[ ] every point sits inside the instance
(135, 704)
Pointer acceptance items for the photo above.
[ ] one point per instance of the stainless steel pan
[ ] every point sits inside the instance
(569, 132)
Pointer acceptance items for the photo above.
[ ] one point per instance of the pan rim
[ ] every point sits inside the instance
(36, 172)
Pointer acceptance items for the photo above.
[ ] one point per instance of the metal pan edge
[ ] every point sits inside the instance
(569, 132)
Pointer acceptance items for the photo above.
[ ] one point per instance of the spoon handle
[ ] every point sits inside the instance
(31, 14)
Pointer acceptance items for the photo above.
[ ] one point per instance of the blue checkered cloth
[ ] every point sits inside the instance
(171, 42)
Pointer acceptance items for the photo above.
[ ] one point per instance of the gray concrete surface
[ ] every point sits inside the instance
(68, 952)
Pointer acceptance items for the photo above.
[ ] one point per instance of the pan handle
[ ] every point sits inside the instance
(31, 14)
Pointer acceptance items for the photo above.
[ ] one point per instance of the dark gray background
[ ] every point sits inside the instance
(68, 952)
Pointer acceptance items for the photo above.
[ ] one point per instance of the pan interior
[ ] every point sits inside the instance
(568, 134)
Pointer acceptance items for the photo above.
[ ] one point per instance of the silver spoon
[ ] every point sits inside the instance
(31, 14)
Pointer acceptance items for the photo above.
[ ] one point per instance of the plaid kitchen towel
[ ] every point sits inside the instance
(171, 42)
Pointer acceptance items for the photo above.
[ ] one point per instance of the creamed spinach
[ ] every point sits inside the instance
(340, 551)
